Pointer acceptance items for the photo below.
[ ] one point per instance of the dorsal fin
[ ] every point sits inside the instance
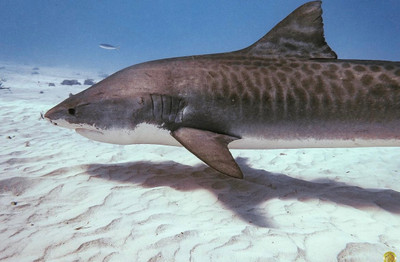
(300, 34)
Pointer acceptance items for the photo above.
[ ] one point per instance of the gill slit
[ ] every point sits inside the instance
(162, 107)
(152, 106)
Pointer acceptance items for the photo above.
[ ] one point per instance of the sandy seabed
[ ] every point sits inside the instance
(66, 198)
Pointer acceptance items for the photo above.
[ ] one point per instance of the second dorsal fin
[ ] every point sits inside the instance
(300, 34)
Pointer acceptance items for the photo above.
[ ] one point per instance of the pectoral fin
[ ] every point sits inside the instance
(210, 147)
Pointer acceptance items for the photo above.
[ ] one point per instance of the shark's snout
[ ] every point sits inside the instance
(60, 115)
(54, 113)
(49, 114)
(60, 111)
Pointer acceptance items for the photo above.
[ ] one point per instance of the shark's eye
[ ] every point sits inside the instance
(71, 111)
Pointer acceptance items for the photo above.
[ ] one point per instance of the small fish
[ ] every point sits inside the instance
(108, 47)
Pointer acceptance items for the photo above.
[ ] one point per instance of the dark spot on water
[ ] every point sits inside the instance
(266, 98)
(302, 98)
(316, 66)
(378, 90)
(290, 46)
(225, 89)
(225, 68)
(264, 71)
(280, 98)
(239, 87)
(281, 76)
(266, 82)
(366, 80)
(319, 87)
(349, 75)
(375, 68)
(359, 68)
(306, 83)
(384, 78)
(212, 74)
(346, 65)
(257, 79)
(257, 63)
(297, 75)
(349, 87)
(329, 74)
(286, 69)
(291, 104)
(214, 85)
(256, 94)
(306, 70)
(267, 105)
(246, 98)
(333, 67)
(389, 67)
(338, 94)
(314, 105)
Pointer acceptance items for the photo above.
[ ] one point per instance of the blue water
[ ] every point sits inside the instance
(67, 33)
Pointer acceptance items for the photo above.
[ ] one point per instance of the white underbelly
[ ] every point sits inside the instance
(142, 134)
(254, 143)
(150, 134)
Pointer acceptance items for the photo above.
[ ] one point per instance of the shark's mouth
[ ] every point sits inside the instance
(82, 130)
(141, 134)
(91, 134)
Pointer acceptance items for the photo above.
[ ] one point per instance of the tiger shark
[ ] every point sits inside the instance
(287, 90)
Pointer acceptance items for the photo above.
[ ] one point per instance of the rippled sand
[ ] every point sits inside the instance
(66, 198)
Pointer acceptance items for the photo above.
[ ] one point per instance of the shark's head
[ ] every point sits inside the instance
(113, 110)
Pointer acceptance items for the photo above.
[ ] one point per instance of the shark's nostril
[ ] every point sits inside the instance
(71, 111)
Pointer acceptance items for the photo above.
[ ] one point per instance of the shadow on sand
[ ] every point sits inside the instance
(244, 197)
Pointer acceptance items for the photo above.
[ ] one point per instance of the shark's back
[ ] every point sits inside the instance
(290, 85)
